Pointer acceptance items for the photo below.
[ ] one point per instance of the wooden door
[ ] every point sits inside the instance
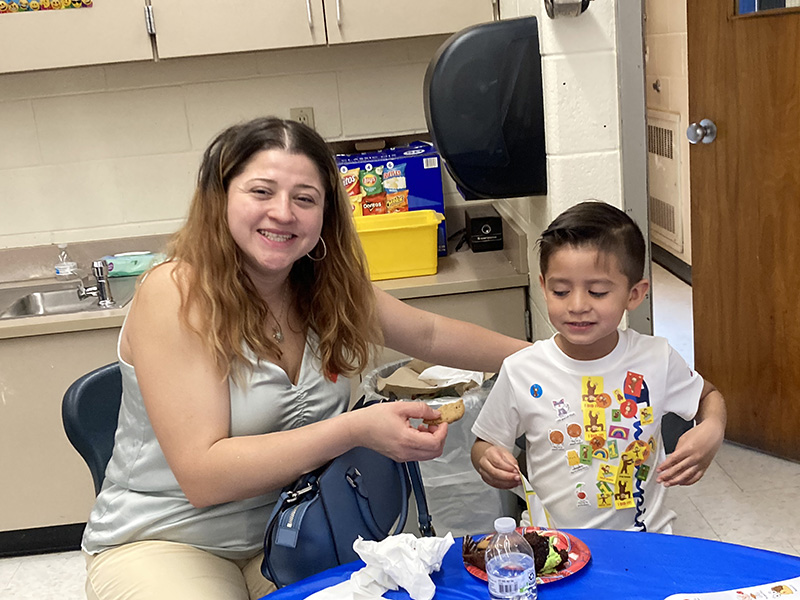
(198, 27)
(744, 74)
(365, 20)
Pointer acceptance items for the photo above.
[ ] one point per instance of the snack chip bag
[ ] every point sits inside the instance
(394, 177)
(350, 180)
(374, 200)
(373, 205)
(371, 181)
(397, 201)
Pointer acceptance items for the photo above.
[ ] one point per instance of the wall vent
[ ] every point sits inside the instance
(664, 179)
(662, 214)
(659, 140)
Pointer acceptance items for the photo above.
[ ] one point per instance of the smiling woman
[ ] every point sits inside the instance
(234, 359)
(268, 193)
(275, 211)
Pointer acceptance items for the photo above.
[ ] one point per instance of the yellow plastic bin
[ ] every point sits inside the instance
(400, 244)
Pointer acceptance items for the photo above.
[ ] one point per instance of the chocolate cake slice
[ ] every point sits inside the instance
(473, 553)
(543, 549)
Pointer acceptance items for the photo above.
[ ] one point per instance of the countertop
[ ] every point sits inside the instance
(458, 273)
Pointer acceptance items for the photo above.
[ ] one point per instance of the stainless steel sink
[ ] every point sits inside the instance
(55, 302)
(58, 298)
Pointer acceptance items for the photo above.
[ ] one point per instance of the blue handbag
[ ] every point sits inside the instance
(319, 516)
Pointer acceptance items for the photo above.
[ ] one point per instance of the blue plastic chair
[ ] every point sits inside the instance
(89, 411)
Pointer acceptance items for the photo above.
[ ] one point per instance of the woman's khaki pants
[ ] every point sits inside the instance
(168, 570)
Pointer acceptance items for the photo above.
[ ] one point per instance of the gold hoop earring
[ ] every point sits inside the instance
(324, 252)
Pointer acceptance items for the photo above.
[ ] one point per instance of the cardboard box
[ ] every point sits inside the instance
(404, 178)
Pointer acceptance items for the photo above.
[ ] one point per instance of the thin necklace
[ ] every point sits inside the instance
(277, 331)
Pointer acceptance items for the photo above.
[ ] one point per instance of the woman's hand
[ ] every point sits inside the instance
(496, 465)
(386, 428)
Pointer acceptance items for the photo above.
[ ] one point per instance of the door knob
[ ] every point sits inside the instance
(705, 131)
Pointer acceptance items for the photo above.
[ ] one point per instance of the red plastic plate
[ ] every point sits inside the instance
(578, 554)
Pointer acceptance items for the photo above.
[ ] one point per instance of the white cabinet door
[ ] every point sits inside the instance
(114, 30)
(45, 481)
(110, 31)
(364, 20)
(480, 308)
(196, 27)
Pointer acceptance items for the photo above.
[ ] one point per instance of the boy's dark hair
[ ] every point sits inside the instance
(601, 226)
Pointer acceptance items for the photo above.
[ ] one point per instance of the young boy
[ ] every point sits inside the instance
(590, 399)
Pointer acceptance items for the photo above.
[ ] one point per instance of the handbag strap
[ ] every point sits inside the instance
(414, 474)
(353, 477)
(425, 520)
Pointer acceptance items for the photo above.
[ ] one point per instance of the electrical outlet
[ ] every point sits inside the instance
(304, 115)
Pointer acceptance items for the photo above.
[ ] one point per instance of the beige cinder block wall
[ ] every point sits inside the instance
(111, 151)
(582, 122)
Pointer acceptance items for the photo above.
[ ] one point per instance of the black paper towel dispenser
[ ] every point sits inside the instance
(484, 107)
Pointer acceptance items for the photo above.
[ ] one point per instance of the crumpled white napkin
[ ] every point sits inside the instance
(447, 376)
(401, 560)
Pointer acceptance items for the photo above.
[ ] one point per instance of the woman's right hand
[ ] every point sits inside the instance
(386, 428)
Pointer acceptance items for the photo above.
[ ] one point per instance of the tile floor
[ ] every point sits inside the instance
(745, 497)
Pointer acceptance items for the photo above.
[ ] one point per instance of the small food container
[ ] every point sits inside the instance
(402, 244)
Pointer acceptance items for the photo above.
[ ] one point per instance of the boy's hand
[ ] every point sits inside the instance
(693, 454)
(496, 465)
(696, 448)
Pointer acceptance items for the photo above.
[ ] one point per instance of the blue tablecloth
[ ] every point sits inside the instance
(624, 564)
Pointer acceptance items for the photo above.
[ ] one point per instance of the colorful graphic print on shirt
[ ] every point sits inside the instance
(606, 440)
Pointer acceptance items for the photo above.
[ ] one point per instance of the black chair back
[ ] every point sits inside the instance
(90, 410)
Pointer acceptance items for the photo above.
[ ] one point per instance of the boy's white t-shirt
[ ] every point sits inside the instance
(579, 417)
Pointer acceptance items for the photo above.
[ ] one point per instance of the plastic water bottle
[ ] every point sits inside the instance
(509, 564)
(65, 268)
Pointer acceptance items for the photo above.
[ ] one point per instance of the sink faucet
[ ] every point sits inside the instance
(102, 290)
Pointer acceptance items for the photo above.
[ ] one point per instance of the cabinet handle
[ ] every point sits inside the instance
(339, 13)
(308, 10)
(496, 10)
(149, 20)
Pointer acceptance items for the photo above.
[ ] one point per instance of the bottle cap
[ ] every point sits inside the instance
(505, 525)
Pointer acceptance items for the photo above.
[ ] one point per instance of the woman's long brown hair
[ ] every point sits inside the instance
(333, 296)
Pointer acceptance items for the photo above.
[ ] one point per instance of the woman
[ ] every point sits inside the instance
(235, 356)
